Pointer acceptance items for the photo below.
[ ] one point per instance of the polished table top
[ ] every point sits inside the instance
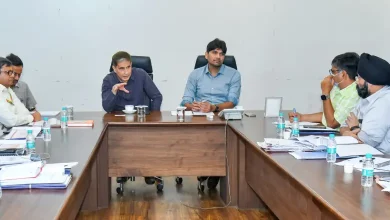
(342, 193)
(75, 145)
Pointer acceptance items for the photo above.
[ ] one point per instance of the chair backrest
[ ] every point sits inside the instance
(229, 61)
(144, 63)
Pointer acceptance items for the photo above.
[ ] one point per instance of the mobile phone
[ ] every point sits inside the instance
(250, 114)
(314, 126)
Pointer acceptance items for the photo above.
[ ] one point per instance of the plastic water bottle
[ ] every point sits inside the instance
(368, 171)
(281, 127)
(64, 118)
(331, 150)
(46, 129)
(30, 142)
(295, 128)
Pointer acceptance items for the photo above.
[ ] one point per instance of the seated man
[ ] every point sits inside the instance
(127, 85)
(21, 88)
(369, 122)
(215, 86)
(212, 88)
(12, 111)
(339, 95)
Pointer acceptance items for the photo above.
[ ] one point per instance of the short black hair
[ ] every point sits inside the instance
(15, 60)
(119, 56)
(348, 62)
(217, 44)
(4, 62)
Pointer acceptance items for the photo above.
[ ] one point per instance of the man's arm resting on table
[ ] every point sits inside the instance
(316, 117)
(329, 114)
(222, 106)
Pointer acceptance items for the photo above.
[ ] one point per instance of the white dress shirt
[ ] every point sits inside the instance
(375, 126)
(12, 114)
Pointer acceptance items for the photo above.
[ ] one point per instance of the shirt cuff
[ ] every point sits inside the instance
(233, 99)
(30, 118)
(185, 101)
(363, 136)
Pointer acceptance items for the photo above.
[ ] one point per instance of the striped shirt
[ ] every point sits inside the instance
(343, 102)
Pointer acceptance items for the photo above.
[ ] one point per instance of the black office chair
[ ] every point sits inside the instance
(144, 63)
(212, 181)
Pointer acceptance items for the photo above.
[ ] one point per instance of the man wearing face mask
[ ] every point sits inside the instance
(339, 95)
(369, 122)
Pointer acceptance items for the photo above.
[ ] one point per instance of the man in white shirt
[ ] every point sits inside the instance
(12, 111)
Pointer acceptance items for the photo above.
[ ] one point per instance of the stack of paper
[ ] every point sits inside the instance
(20, 133)
(186, 113)
(202, 113)
(273, 144)
(51, 176)
(52, 121)
(84, 123)
(381, 164)
(318, 140)
(288, 124)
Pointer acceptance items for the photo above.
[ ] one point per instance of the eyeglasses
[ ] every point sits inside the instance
(334, 72)
(10, 72)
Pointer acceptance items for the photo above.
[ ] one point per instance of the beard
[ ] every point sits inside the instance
(363, 91)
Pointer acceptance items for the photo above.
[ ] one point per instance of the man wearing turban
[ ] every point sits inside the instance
(369, 122)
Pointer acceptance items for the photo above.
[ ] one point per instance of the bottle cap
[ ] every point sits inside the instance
(63, 108)
(368, 155)
(45, 118)
(296, 119)
(331, 135)
(29, 131)
(281, 114)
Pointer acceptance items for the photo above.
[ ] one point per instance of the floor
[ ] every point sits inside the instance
(141, 201)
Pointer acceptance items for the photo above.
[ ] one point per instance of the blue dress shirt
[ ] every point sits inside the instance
(202, 86)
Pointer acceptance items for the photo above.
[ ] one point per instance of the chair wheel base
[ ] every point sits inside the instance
(119, 191)
(179, 180)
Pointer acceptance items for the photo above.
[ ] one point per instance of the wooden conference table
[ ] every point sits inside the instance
(160, 145)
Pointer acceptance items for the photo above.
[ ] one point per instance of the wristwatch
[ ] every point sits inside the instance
(324, 97)
(216, 108)
(354, 127)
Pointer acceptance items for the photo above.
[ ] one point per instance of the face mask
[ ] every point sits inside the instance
(337, 83)
(363, 92)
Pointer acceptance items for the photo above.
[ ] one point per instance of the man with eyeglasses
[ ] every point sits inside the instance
(339, 96)
(21, 88)
(369, 122)
(127, 85)
(12, 111)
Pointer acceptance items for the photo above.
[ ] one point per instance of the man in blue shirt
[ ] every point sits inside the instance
(128, 85)
(212, 88)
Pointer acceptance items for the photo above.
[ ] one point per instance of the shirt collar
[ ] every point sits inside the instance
(347, 90)
(375, 96)
(221, 70)
(17, 84)
(2, 88)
